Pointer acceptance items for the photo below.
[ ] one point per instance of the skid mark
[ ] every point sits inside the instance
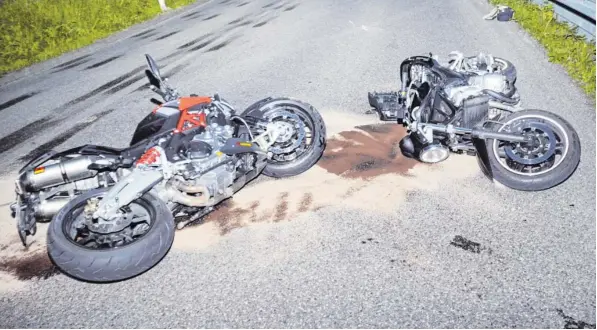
(242, 4)
(16, 100)
(269, 4)
(148, 35)
(260, 24)
(25, 133)
(61, 138)
(194, 41)
(221, 45)
(211, 17)
(291, 7)
(167, 35)
(125, 84)
(100, 89)
(73, 61)
(238, 20)
(202, 45)
(140, 34)
(106, 61)
(73, 65)
(191, 15)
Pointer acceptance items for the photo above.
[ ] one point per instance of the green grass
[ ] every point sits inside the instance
(562, 43)
(37, 30)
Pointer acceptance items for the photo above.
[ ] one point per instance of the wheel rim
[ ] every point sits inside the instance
(546, 151)
(79, 232)
(297, 134)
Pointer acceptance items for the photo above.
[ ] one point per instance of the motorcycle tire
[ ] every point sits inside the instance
(114, 264)
(540, 181)
(306, 160)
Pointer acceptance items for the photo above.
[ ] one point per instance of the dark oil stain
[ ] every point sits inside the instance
(278, 7)
(245, 23)
(466, 244)
(102, 88)
(571, 323)
(253, 209)
(282, 208)
(243, 4)
(223, 2)
(143, 33)
(226, 216)
(270, 4)
(73, 61)
(306, 202)
(260, 24)
(25, 133)
(291, 8)
(37, 266)
(72, 65)
(62, 137)
(194, 41)
(167, 35)
(106, 61)
(366, 155)
(16, 100)
(211, 17)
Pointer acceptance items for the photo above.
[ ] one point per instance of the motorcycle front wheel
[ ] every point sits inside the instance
(83, 254)
(549, 158)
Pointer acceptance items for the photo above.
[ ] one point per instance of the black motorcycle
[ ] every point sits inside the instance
(113, 210)
(479, 114)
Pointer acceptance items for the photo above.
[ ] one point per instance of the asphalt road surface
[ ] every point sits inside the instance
(398, 245)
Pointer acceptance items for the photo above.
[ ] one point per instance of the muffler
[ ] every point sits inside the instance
(48, 208)
(59, 173)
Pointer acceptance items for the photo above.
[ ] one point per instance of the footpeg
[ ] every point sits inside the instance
(388, 106)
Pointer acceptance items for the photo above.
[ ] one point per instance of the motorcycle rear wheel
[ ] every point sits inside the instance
(112, 263)
(548, 170)
(310, 148)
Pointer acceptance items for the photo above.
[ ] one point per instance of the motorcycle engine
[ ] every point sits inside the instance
(491, 81)
(209, 174)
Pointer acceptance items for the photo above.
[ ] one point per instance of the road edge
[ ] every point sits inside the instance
(116, 37)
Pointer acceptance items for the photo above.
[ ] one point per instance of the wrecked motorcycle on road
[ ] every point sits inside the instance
(113, 210)
(472, 106)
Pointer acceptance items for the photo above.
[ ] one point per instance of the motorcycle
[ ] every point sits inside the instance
(463, 110)
(113, 211)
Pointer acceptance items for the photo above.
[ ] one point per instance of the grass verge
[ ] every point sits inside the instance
(37, 30)
(563, 45)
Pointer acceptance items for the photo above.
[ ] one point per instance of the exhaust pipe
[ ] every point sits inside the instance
(48, 208)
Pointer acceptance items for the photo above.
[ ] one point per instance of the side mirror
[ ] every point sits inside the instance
(153, 67)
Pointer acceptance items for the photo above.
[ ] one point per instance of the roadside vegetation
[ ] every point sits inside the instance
(37, 30)
(563, 45)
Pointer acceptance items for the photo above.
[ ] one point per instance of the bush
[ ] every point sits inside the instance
(563, 45)
(37, 30)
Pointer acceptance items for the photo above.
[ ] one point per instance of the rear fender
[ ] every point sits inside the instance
(482, 157)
